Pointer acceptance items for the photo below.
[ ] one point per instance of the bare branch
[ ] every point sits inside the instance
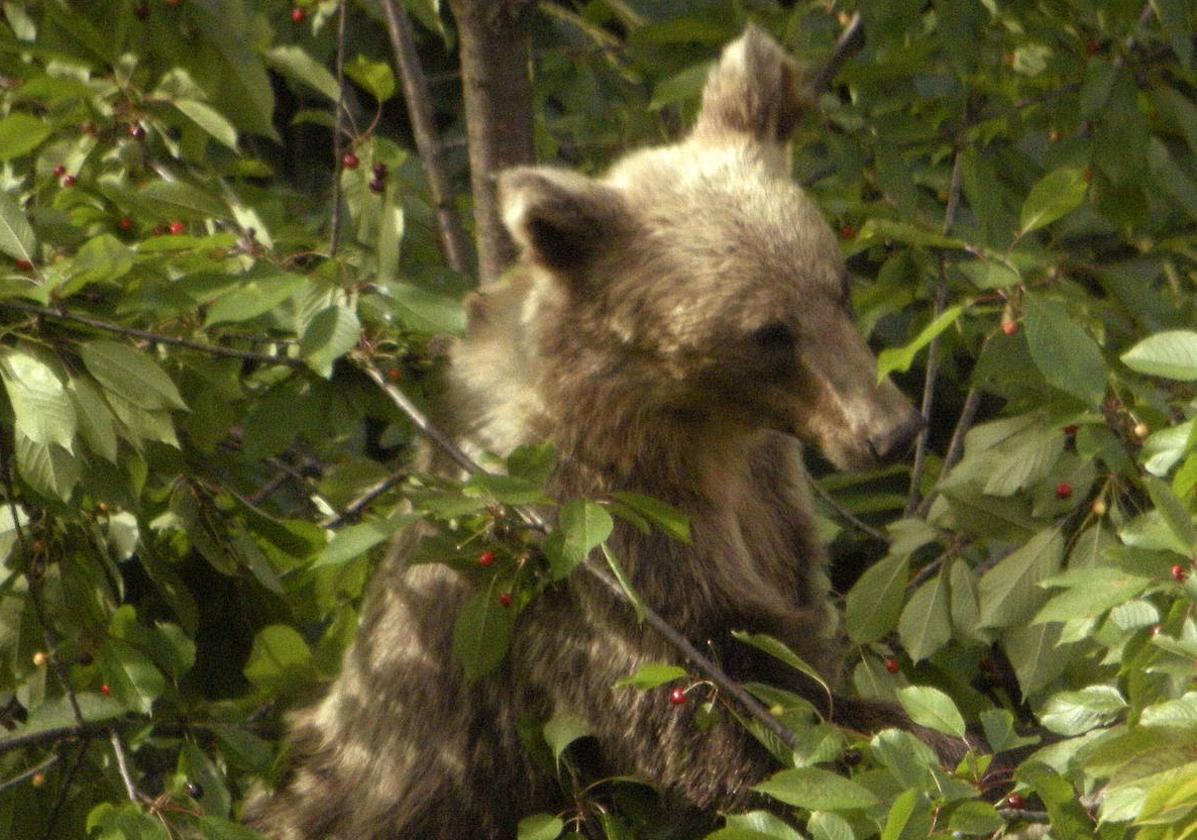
(334, 237)
(495, 56)
(454, 246)
(846, 514)
(850, 40)
(955, 446)
(29, 774)
(122, 765)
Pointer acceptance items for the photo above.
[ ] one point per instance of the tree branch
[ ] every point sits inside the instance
(593, 568)
(29, 774)
(122, 765)
(850, 40)
(496, 51)
(454, 246)
(334, 237)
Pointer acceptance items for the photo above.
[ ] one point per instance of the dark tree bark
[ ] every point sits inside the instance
(495, 46)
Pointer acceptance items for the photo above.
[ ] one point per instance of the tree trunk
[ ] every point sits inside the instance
(495, 57)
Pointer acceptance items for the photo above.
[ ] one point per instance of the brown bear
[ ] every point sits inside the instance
(673, 328)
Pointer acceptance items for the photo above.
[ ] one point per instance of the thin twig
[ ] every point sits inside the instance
(358, 505)
(147, 335)
(122, 765)
(64, 790)
(955, 447)
(334, 237)
(43, 736)
(452, 239)
(850, 40)
(534, 520)
(29, 774)
(843, 512)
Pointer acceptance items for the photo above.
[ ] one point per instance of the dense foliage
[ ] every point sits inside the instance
(201, 462)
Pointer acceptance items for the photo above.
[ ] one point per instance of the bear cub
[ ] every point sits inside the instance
(674, 328)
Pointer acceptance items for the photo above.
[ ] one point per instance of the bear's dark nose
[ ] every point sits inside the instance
(892, 442)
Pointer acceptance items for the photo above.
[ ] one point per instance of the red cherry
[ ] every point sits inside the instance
(350, 161)
(59, 171)
(125, 224)
(505, 599)
(1070, 430)
(69, 181)
(137, 131)
(299, 15)
(1016, 802)
(24, 265)
(1009, 327)
(486, 558)
(105, 690)
(892, 665)
(177, 228)
(678, 696)
(1179, 573)
(1063, 490)
(847, 232)
(394, 374)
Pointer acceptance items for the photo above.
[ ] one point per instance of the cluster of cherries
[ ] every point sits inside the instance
(378, 184)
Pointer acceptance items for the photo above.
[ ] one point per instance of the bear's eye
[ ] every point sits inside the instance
(774, 338)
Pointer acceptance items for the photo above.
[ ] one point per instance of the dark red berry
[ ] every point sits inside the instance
(299, 15)
(678, 696)
(486, 558)
(1092, 47)
(105, 690)
(350, 161)
(125, 224)
(378, 185)
(24, 265)
(137, 131)
(141, 11)
(1179, 573)
(1009, 327)
(160, 230)
(847, 232)
(1063, 490)
(1070, 430)
(394, 374)
(380, 170)
(505, 599)
(1016, 802)
(59, 171)
(69, 181)
(177, 228)
(86, 658)
(892, 665)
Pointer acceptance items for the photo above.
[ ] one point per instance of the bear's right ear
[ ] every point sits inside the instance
(560, 219)
(755, 90)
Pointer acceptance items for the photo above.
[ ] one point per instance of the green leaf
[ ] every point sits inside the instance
(779, 651)
(874, 603)
(904, 755)
(132, 676)
(58, 713)
(665, 516)
(881, 230)
(103, 259)
(1171, 354)
(1180, 713)
(624, 583)
(1168, 175)
(1064, 352)
(375, 76)
(16, 235)
(506, 489)
(426, 312)
(280, 660)
(1036, 655)
(354, 541)
(20, 134)
(562, 730)
(1076, 712)
(933, 709)
(254, 297)
(296, 63)
(926, 622)
(999, 731)
(824, 825)
(177, 199)
(583, 525)
(817, 790)
(1090, 593)
(652, 676)
(898, 822)
(390, 237)
(483, 632)
(974, 817)
(1009, 592)
(764, 824)
(48, 468)
(900, 359)
(1056, 195)
(1179, 520)
(331, 334)
(218, 828)
(131, 374)
(43, 408)
(210, 120)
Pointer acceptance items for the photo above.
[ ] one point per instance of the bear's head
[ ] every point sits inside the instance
(697, 282)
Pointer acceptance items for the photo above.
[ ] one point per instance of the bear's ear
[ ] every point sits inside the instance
(755, 90)
(560, 219)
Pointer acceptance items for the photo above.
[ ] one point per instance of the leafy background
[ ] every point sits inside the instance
(202, 464)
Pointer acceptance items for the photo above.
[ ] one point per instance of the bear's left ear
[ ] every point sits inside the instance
(560, 219)
(756, 90)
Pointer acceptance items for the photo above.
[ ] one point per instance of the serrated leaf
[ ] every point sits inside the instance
(97, 426)
(999, 731)
(132, 676)
(974, 817)
(933, 709)
(131, 374)
(1076, 712)
(900, 358)
(210, 120)
(103, 259)
(355, 540)
(1034, 653)
(176, 198)
(583, 525)
(483, 632)
(905, 756)
(44, 411)
(764, 824)
(426, 312)
(331, 334)
(254, 297)
(1173, 510)
(1009, 592)
(1171, 354)
(926, 622)
(48, 468)
(874, 604)
(817, 790)
(1065, 354)
(16, 235)
(1055, 195)
(1180, 713)
(1090, 593)
(652, 676)
(20, 134)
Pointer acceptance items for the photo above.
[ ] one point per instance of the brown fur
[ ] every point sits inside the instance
(671, 329)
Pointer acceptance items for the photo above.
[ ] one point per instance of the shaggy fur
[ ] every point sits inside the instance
(674, 328)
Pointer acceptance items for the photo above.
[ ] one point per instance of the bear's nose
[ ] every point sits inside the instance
(893, 441)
